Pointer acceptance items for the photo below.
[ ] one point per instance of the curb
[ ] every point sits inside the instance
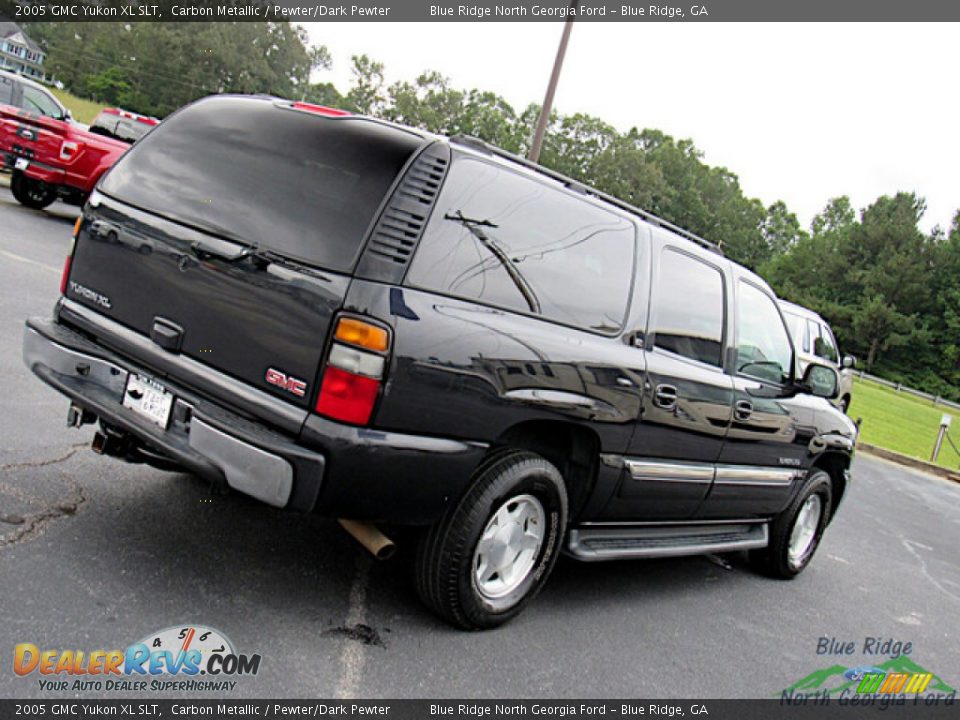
(908, 461)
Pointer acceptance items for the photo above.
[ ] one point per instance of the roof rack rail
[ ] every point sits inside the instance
(483, 146)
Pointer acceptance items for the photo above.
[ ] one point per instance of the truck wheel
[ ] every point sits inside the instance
(490, 554)
(795, 533)
(32, 193)
(844, 404)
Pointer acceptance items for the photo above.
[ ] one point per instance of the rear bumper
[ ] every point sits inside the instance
(38, 170)
(205, 438)
(331, 468)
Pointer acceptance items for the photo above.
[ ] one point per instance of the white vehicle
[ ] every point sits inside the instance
(815, 342)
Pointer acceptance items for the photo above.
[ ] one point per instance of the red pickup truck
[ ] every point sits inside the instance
(52, 158)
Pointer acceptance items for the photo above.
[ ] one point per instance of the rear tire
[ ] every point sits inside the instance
(844, 404)
(490, 555)
(796, 532)
(32, 193)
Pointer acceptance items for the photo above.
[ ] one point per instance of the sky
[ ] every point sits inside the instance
(801, 112)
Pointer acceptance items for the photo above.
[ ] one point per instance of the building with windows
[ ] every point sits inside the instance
(20, 54)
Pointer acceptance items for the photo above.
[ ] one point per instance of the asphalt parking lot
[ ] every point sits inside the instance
(96, 554)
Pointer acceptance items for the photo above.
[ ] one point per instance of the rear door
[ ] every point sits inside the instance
(229, 233)
(687, 397)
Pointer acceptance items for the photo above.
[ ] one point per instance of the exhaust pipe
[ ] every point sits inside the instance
(376, 543)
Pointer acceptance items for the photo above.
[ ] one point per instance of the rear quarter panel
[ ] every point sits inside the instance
(466, 371)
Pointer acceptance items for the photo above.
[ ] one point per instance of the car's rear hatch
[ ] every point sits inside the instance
(229, 233)
(29, 135)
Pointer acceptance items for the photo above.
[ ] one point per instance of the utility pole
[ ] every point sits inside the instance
(538, 134)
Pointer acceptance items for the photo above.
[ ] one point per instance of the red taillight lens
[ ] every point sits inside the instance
(347, 397)
(66, 274)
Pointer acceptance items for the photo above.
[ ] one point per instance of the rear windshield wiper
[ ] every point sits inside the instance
(475, 228)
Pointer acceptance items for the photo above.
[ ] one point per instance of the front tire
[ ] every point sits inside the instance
(492, 553)
(32, 193)
(796, 532)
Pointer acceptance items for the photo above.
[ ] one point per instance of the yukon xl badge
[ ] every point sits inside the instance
(91, 295)
(290, 384)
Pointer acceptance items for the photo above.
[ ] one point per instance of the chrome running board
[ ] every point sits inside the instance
(593, 543)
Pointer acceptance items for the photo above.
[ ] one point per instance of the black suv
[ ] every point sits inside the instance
(334, 314)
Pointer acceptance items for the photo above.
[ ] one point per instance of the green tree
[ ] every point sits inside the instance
(156, 67)
(368, 94)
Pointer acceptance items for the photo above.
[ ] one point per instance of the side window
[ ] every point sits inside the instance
(6, 90)
(517, 243)
(39, 102)
(813, 331)
(798, 331)
(826, 346)
(690, 308)
(763, 347)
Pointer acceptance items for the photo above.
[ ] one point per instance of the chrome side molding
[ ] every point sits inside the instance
(704, 473)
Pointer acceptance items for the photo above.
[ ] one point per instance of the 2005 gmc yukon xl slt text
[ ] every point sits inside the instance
(338, 315)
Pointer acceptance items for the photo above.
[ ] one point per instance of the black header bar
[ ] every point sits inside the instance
(482, 11)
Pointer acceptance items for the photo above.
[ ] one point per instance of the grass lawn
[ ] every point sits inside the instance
(83, 110)
(903, 423)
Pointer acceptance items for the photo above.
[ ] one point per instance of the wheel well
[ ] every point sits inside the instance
(834, 464)
(573, 449)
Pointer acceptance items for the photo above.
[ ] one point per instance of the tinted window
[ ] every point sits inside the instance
(826, 346)
(518, 243)
(291, 181)
(689, 316)
(119, 127)
(38, 101)
(763, 347)
(6, 90)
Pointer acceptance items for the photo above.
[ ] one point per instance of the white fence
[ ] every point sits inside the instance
(899, 387)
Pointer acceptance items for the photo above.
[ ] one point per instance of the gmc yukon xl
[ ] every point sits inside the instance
(338, 315)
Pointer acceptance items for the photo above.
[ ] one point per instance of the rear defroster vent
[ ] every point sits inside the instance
(400, 227)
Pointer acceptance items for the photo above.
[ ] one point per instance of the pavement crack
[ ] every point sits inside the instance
(911, 547)
(44, 463)
(29, 526)
(33, 525)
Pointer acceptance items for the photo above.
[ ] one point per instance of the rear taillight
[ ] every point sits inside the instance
(66, 274)
(355, 368)
(66, 262)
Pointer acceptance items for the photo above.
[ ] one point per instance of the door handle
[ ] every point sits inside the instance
(742, 409)
(665, 396)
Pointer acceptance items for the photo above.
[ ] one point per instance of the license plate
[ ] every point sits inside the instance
(148, 398)
(21, 164)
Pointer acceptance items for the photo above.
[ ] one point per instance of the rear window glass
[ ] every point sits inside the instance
(244, 169)
(118, 127)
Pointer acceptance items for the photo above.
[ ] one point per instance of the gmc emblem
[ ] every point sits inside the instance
(290, 384)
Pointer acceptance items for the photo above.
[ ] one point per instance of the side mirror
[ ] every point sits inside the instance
(821, 381)
(848, 362)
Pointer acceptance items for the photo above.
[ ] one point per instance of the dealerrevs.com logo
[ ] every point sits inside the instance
(187, 658)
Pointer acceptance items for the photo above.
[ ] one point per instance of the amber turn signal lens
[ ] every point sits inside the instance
(361, 334)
